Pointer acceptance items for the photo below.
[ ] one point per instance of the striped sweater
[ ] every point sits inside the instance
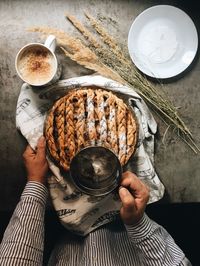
(146, 243)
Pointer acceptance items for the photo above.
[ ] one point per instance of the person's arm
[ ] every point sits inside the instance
(23, 240)
(153, 243)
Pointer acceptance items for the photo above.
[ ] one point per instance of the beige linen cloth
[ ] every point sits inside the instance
(79, 212)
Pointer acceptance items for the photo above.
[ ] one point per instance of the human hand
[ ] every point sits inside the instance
(134, 196)
(35, 162)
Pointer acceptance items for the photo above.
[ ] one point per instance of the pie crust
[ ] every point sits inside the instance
(90, 116)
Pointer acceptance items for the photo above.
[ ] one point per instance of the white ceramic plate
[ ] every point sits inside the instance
(162, 41)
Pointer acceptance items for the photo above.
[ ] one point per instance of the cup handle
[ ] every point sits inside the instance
(50, 43)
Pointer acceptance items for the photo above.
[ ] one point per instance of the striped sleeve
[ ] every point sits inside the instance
(23, 240)
(155, 245)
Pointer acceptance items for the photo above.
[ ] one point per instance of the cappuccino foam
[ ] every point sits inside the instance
(36, 65)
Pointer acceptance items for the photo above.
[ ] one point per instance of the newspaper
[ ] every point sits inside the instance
(77, 211)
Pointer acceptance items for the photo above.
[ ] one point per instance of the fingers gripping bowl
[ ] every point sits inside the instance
(86, 118)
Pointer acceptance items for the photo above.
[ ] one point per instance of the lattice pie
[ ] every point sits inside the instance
(90, 116)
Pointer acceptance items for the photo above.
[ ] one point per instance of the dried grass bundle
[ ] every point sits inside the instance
(101, 53)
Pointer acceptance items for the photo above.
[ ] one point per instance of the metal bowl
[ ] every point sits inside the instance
(95, 170)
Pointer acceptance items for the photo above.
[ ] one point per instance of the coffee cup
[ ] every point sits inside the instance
(37, 64)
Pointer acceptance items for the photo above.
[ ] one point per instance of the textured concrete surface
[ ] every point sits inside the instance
(177, 165)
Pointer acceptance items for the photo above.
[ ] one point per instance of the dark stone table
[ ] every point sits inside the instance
(177, 165)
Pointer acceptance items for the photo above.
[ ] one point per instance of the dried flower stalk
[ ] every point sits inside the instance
(107, 39)
(86, 33)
